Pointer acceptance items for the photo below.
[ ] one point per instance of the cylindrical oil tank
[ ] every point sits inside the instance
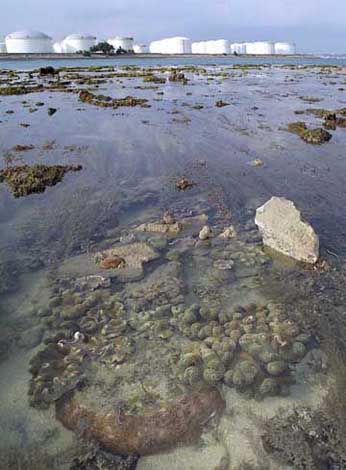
(238, 48)
(28, 42)
(154, 47)
(78, 42)
(196, 48)
(57, 48)
(260, 48)
(3, 49)
(125, 43)
(222, 46)
(177, 45)
(140, 49)
(285, 48)
(209, 47)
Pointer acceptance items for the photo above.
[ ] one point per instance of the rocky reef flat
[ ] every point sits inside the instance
(172, 267)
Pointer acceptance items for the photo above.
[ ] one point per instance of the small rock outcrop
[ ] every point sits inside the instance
(283, 230)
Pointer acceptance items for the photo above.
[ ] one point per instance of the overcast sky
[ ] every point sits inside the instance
(315, 25)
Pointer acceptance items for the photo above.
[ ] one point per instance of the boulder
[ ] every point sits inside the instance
(283, 229)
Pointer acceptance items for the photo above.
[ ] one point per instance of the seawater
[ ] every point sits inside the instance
(132, 158)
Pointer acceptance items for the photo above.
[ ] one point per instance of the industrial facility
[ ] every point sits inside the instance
(140, 49)
(75, 43)
(181, 45)
(3, 49)
(124, 43)
(175, 45)
(28, 42)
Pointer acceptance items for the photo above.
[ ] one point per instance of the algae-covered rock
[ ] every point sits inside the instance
(170, 229)
(25, 180)
(108, 102)
(312, 136)
(283, 229)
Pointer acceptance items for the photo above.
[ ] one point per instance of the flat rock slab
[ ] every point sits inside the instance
(283, 229)
(135, 255)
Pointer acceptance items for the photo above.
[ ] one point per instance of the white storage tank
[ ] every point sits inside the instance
(28, 42)
(125, 43)
(177, 45)
(154, 47)
(57, 48)
(3, 49)
(260, 48)
(209, 47)
(198, 47)
(78, 42)
(238, 48)
(222, 46)
(140, 49)
(285, 48)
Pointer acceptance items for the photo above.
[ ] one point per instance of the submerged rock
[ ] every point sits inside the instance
(311, 136)
(180, 422)
(283, 230)
(183, 183)
(126, 257)
(172, 229)
(205, 233)
(25, 180)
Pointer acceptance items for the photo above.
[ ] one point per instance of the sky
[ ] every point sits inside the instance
(317, 26)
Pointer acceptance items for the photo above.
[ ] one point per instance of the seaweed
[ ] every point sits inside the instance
(24, 180)
(312, 136)
(108, 102)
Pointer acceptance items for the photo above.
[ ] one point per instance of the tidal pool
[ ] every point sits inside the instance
(126, 340)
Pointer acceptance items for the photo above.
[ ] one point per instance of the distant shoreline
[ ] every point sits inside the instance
(53, 56)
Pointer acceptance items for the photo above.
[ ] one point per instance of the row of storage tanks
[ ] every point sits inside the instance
(35, 42)
(26, 42)
(181, 45)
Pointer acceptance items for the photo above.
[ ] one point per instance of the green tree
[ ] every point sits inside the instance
(103, 47)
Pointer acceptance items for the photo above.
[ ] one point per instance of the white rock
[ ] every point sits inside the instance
(205, 233)
(229, 232)
(283, 230)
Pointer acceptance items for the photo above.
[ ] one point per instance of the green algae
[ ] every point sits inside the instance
(25, 180)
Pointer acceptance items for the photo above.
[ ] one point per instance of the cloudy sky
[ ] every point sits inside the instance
(316, 25)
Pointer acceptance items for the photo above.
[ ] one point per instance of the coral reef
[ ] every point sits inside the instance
(25, 180)
(250, 348)
(108, 102)
(180, 422)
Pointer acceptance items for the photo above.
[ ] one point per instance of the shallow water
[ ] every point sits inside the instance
(29, 64)
(131, 158)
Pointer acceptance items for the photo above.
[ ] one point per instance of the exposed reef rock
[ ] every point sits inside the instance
(183, 183)
(311, 136)
(25, 180)
(108, 102)
(171, 229)
(131, 257)
(180, 422)
(177, 76)
(283, 230)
